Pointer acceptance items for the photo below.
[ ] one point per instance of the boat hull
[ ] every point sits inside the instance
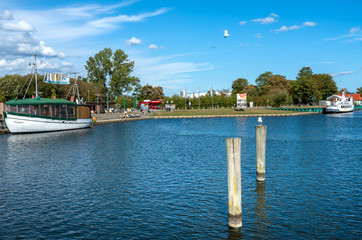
(24, 124)
(338, 110)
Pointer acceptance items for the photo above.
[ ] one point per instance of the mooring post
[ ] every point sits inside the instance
(233, 151)
(260, 132)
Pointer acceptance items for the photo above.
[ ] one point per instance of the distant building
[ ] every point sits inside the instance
(357, 99)
(196, 95)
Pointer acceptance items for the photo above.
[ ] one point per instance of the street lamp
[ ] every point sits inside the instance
(97, 102)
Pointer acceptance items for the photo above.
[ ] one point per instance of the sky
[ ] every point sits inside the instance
(180, 43)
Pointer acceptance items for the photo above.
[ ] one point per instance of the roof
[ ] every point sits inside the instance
(334, 96)
(39, 101)
(356, 97)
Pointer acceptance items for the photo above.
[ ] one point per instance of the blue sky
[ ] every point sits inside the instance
(180, 44)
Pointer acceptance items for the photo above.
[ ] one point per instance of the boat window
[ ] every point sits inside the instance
(34, 109)
(24, 109)
(45, 110)
(56, 111)
(13, 108)
(71, 111)
(63, 111)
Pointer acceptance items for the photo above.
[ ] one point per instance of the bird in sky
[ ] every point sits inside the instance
(226, 34)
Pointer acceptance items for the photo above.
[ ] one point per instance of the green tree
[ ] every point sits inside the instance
(278, 96)
(359, 91)
(239, 85)
(151, 93)
(262, 82)
(305, 87)
(112, 71)
(345, 90)
(9, 87)
(325, 86)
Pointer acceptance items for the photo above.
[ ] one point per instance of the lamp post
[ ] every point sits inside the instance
(97, 102)
(107, 101)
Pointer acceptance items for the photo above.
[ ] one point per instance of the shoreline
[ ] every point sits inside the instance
(115, 119)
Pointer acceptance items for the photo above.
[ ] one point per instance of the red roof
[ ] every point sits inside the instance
(356, 97)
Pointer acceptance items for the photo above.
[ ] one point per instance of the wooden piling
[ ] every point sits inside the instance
(233, 150)
(260, 132)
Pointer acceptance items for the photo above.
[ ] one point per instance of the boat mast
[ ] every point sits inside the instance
(36, 77)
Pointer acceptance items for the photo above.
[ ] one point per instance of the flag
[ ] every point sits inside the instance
(211, 92)
(184, 92)
(56, 78)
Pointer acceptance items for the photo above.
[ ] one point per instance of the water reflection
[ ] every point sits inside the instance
(235, 233)
(260, 208)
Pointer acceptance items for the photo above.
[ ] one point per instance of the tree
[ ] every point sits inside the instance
(112, 71)
(224, 92)
(9, 87)
(343, 90)
(305, 87)
(151, 93)
(262, 82)
(359, 91)
(277, 96)
(325, 86)
(239, 85)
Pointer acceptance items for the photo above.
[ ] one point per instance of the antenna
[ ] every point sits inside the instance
(75, 88)
(36, 77)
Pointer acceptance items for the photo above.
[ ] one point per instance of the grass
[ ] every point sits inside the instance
(203, 112)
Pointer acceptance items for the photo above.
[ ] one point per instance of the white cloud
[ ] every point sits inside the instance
(13, 65)
(133, 41)
(153, 46)
(259, 35)
(295, 27)
(243, 22)
(309, 24)
(82, 21)
(26, 44)
(342, 73)
(6, 15)
(270, 19)
(20, 26)
(169, 71)
(354, 29)
(266, 20)
(110, 22)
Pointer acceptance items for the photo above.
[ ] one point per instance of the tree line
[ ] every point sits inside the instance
(109, 75)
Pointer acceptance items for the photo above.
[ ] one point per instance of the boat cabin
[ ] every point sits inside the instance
(59, 109)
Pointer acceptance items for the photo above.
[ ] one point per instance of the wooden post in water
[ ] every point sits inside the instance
(260, 132)
(233, 151)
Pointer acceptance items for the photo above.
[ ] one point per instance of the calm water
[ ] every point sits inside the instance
(167, 179)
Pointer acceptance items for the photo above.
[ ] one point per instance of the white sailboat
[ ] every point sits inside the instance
(37, 114)
(339, 104)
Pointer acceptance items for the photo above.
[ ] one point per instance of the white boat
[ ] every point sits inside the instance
(339, 104)
(45, 114)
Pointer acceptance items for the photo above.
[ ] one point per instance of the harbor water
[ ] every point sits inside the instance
(167, 179)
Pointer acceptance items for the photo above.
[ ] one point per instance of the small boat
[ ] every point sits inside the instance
(38, 114)
(339, 104)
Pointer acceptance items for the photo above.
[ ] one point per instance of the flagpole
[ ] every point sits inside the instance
(198, 90)
(185, 97)
(212, 100)
(36, 77)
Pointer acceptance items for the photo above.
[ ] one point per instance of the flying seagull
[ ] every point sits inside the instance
(226, 34)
